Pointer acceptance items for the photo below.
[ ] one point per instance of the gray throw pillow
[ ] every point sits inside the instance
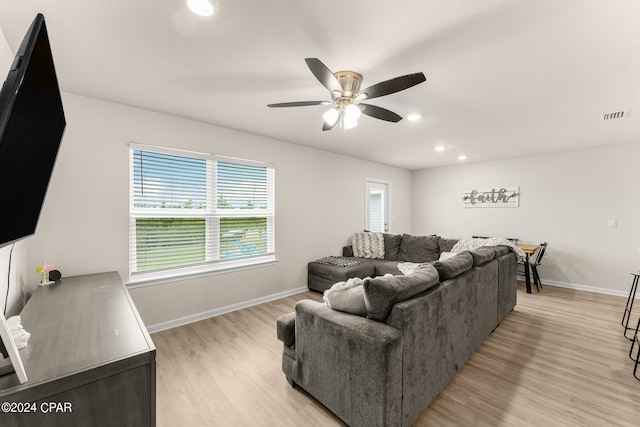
(419, 248)
(453, 266)
(381, 293)
(446, 244)
(392, 246)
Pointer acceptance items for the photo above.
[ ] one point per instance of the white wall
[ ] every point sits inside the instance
(566, 199)
(6, 55)
(84, 223)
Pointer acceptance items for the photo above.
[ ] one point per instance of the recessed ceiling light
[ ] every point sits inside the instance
(414, 116)
(462, 157)
(201, 7)
(439, 148)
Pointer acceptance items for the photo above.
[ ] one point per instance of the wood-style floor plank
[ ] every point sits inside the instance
(559, 359)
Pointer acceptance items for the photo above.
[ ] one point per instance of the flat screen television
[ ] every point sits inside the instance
(32, 123)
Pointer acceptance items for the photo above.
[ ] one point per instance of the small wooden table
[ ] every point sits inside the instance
(528, 250)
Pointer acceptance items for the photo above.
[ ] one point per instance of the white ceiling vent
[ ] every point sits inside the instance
(614, 115)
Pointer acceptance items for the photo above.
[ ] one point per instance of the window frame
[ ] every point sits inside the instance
(212, 215)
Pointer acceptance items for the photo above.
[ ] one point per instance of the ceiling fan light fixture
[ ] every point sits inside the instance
(350, 122)
(201, 7)
(352, 111)
(344, 88)
(331, 116)
(414, 117)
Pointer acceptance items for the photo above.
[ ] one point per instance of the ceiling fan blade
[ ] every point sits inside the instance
(379, 113)
(299, 104)
(388, 87)
(323, 74)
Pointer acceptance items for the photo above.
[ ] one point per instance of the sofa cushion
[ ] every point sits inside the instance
(419, 248)
(501, 250)
(381, 293)
(482, 255)
(453, 266)
(322, 276)
(446, 244)
(392, 246)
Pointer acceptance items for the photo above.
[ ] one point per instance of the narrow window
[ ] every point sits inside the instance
(377, 205)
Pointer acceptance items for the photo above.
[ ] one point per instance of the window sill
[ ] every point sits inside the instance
(168, 277)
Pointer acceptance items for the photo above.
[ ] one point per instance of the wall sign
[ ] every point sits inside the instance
(497, 197)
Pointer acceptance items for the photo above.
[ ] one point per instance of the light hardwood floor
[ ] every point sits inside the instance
(559, 359)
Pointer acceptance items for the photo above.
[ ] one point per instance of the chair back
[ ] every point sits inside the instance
(543, 248)
(513, 239)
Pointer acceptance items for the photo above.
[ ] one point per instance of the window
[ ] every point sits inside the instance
(192, 213)
(377, 205)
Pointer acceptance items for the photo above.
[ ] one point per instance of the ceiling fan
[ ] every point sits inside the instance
(344, 87)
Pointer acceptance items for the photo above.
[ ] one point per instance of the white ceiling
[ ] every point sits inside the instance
(505, 78)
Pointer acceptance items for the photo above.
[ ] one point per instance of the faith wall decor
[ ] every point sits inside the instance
(497, 197)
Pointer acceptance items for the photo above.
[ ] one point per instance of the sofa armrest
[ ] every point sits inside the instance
(371, 333)
(286, 328)
(353, 365)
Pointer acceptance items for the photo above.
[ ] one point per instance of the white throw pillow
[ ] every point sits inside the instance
(368, 245)
(347, 296)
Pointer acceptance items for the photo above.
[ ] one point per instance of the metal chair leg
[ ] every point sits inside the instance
(536, 276)
(536, 281)
(629, 307)
(636, 359)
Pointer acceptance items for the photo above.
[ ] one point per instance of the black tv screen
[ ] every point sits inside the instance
(32, 122)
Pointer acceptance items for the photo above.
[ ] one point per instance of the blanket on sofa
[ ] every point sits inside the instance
(338, 261)
(472, 243)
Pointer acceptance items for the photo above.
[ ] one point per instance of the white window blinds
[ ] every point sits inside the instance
(193, 212)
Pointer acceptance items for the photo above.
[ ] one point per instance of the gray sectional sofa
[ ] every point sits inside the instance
(397, 248)
(385, 367)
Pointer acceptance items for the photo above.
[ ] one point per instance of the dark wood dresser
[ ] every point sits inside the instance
(89, 362)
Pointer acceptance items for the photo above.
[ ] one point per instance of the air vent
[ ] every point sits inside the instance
(615, 115)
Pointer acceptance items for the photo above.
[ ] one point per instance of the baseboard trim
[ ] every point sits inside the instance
(578, 287)
(222, 310)
(245, 304)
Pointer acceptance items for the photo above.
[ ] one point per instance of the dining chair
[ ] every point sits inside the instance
(513, 239)
(534, 262)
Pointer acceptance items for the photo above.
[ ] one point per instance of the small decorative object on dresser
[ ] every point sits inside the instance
(44, 269)
(55, 275)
